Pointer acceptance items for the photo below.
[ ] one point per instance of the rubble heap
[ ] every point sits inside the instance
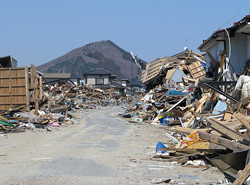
(205, 118)
(56, 106)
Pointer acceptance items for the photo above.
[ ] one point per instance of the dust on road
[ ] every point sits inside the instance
(100, 149)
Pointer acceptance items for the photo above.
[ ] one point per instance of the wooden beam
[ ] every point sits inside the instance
(229, 106)
(189, 79)
(188, 56)
(202, 100)
(244, 175)
(188, 130)
(235, 146)
(27, 88)
(172, 107)
(223, 129)
(244, 121)
(190, 150)
(183, 130)
(40, 88)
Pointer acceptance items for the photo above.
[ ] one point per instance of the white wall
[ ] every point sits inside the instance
(124, 83)
(239, 52)
(240, 46)
(215, 50)
(91, 79)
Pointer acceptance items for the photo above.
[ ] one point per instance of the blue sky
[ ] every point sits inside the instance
(36, 32)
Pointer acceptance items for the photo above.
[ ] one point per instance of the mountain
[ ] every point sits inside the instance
(103, 54)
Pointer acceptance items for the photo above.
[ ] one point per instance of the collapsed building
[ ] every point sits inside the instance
(203, 103)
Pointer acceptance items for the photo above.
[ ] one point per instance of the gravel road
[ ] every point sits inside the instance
(101, 149)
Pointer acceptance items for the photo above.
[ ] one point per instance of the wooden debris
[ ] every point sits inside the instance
(202, 100)
(235, 146)
(223, 129)
(244, 175)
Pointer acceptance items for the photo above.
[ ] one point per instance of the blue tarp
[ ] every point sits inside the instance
(174, 92)
(203, 64)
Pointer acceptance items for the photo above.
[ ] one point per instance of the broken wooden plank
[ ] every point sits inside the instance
(189, 79)
(188, 130)
(202, 100)
(227, 115)
(242, 119)
(193, 166)
(186, 150)
(244, 175)
(205, 145)
(177, 103)
(223, 129)
(175, 122)
(230, 107)
(235, 146)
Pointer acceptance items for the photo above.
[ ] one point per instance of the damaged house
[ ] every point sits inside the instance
(208, 96)
(173, 70)
(231, 45)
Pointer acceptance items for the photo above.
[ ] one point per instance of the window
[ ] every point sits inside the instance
(99, 81)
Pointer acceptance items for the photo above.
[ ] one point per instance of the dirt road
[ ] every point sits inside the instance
(100, 149)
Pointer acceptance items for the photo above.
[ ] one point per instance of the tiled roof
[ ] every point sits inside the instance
(97, 72)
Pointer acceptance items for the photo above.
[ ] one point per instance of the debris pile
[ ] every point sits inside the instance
(52, 105)
(205, 119)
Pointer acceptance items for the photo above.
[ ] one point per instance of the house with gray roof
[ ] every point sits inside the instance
(227, 49)
(97, 76)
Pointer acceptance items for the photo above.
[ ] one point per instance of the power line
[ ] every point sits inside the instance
(230, 19)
